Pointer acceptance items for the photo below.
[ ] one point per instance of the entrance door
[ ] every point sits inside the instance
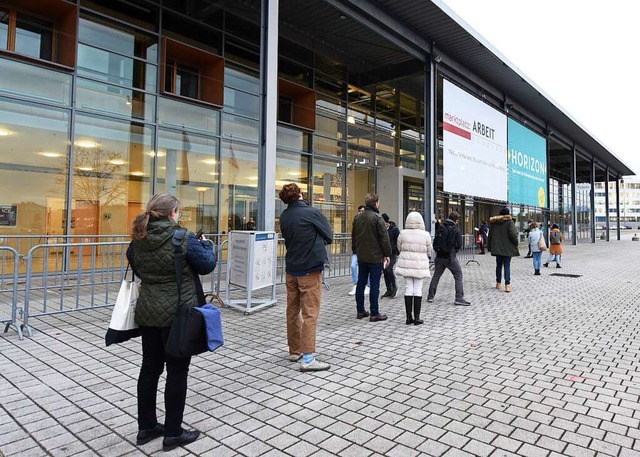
(413, 199)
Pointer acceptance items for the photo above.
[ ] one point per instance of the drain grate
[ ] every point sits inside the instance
(566, 275)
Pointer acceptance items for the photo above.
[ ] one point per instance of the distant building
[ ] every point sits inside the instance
(629, 203)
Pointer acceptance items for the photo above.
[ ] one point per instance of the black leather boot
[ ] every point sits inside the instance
(417, 304)
(408, 304)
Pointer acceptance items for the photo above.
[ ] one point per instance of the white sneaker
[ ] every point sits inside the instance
(367, 290)
(353, 291)
(316, 365)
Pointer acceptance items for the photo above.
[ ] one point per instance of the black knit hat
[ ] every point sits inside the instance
(504, 211)
(454, 216)
(385, 216)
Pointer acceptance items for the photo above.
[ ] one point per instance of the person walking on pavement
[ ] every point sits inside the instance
(414, 245)
(306, 232)
(447, 243)
(354, 262)
(389, 275)
(527, 232)
(371, 238)
(536, 253)
(503, 244)
(555, 246)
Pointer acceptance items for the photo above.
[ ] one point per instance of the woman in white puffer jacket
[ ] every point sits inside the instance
(414, 244)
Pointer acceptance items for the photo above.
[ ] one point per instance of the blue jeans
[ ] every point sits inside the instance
(372, 273)
(503, 261)
(537, 260)
(354, 269)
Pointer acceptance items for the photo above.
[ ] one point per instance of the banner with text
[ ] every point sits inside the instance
(527, 166)
(475, 146)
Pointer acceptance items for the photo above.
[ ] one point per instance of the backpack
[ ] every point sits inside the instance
(555, 238)
(444, 240)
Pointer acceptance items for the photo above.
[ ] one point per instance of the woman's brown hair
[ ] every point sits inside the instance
(161, 206)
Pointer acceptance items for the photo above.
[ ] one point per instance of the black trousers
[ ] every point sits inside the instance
(175, 391)
(389, 275)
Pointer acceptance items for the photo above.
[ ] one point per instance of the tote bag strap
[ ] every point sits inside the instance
(178, 236)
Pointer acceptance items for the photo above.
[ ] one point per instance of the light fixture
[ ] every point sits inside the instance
(202, 189)
(351, 119)
(214, 173)
(294, 173)
(153, 154)
(137, 173)
(85, 168)
(4, 132)
(209, 161)
(117, 162)
(50, 154)
(86, 144)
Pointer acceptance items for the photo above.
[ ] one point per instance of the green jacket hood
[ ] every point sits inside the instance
(158, 232)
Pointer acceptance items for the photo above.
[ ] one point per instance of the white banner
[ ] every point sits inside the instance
(475, 146)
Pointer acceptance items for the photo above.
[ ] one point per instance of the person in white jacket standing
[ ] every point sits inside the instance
(414, 244)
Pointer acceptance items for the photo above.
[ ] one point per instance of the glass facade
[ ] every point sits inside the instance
(141, 98)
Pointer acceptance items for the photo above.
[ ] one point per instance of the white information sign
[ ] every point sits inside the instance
(475, 146)
(251, 265)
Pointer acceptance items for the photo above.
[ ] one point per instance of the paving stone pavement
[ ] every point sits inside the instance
(547, 370)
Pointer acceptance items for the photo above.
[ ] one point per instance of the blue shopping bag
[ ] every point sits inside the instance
(213, 325)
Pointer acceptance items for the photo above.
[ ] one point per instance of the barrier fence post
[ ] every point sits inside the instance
(14, 290)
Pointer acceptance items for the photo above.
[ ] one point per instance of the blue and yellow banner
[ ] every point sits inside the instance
(527, 162)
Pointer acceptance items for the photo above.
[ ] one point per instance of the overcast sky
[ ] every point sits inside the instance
(583, 54)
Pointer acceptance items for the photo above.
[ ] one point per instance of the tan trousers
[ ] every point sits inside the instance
(304, 294)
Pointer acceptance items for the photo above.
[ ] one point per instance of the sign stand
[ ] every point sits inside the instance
(251, 265)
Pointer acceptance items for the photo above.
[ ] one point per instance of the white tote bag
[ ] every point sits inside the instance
(123, 317)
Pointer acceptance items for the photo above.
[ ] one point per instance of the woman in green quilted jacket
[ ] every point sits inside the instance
(151, 255)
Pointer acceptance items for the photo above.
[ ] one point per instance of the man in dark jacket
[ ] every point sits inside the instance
(389, 275)
(370, 236)
(448, 260)
(306, 232)
(503, 244)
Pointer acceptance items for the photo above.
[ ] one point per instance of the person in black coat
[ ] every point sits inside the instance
(389, 275)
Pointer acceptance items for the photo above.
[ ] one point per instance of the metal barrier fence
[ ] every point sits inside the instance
(86, 281)
(9, 264)
(52, 278)
(468, 251)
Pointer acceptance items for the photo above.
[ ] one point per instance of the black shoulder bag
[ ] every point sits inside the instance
(188, 334)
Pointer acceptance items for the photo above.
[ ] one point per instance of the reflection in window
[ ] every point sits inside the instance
(111, 174)
(188, 167)
(95, 96)
(34, 82)
(179, 114)
(116, 69)
(182, 80)
(4, 28)
(290, 168)
(118, 38)
(34, 37)
(239, 185)
(33, 174)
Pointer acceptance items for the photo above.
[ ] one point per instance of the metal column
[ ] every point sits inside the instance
(268, 118)
(430, 146)
(574, 183)
(606, 202)
(618, 207)
(592, 201)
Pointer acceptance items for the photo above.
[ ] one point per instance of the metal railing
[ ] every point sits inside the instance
(52, 278)
(468, 250)
(9, 264)
(85, 281)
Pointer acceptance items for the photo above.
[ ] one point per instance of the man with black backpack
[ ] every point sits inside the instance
(447, 242)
